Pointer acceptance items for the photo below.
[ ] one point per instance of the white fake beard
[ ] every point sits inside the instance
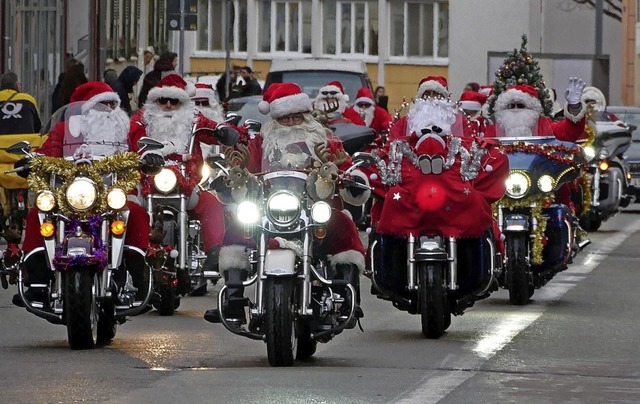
(110, 127)
(321, 102)
(172, 128)
(276, 136)
(367, 114)
(517, 122)
(212, 112)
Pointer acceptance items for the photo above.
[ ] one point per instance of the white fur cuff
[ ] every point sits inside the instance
(579, 116)
(360, 199)
(233, 256)
(347, 257)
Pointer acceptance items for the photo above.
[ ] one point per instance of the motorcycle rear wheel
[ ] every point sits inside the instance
(81, 308)
(432, 300)
(517, 278)
(279, 321)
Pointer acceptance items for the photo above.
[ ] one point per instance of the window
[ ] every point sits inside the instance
(420, 29)
(211, 35)
(350, 27)
(284, 26)
(122, 34)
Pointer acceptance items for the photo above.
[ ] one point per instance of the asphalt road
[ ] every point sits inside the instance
(576, 342)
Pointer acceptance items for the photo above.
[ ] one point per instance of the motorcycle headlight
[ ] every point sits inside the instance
(517, 184)
(81, 194)
(247, 212)
(205, 172)
(321, 212)
(603, 154)
(546, 183)
(45, 201)
(283, 208)
(116, 199)
(165, 181)
(589, 153)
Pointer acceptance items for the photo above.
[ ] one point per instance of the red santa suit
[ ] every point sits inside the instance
(374, 117)
(332, 94)
(174, 130)
(439, 182)
(97, 123)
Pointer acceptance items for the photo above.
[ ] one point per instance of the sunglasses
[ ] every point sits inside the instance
(203, 103)
(516, 105)
(329, 92)
(172, 101)
(110, 104)
(364, 105)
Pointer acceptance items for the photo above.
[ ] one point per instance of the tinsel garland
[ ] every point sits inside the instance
(558, 153)
(99, 257)
(125, 165)
(586, 182)
(536, 203)
(390, 173)
(186, 183)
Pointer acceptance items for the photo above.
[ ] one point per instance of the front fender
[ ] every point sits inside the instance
(279, 262)
(516, 223)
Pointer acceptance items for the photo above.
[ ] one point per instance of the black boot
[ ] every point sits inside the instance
(349, 272)
(137, 267)
(211, 263)
(39, 278)
(233, 308)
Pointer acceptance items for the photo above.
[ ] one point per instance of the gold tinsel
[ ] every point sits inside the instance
(125, 165)
(536, 203)
(586, 181)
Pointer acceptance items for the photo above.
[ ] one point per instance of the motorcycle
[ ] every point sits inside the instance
(542, 235)
(81, 202)
(297, 301)
(608, 173)
(173, 192)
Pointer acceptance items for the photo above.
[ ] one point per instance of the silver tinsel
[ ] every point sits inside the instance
(470, 160)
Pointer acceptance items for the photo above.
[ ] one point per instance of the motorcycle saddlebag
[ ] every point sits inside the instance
(556, 250)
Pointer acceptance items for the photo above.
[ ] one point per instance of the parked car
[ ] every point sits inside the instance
(247, 108)
(631, 117)
(314, 73)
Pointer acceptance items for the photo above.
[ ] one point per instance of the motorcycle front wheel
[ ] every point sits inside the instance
(517, 278)
(432, 299)
(81, 308)
(279, 321)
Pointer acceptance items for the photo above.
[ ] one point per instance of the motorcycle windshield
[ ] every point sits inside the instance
(88, 127)
(613, 137)
(510, 125)
(291, 156)
(292, 181)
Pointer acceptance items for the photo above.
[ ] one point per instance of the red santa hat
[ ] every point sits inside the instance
(334, 86)
(522, 93)
(282, 99)
(92, 93)
(472, 100)
(486, 90)
(172, 86)
(433, 83)
(204, 91)
(364, 95)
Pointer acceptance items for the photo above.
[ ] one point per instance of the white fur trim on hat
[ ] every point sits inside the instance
(513, 95)
(432, 85)
(364, 99)
(347, 257)
(232, 256)
(578, 116)
(168, 92)
(106, 96)
(288, 105)
(470, 105)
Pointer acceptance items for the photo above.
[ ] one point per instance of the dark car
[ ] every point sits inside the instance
(247, 108)
(631, 117)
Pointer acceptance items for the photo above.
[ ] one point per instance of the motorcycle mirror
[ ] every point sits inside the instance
(632, 128)
(232, 118)
(22, 147)
(363, 159)
(227, 135)
(146, 143)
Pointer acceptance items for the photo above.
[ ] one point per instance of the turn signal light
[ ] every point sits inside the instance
(320, 232)
(118, 227)
(47, 229)
(604, 166)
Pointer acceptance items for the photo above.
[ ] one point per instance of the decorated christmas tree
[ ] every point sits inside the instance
(520, 67)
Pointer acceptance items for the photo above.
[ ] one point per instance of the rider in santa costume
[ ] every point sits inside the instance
(169, 116)
(375, 117)
(332, 95)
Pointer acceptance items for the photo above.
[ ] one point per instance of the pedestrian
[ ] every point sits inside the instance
(147, 57)
(110, 76)
(73, 76)
(381, 98)
(18, 110)
(251, 86)
(123, 85)
(226, 92)
(472, 86)
(165, 64)
(375, 117)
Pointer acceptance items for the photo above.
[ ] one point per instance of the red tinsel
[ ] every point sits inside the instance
(559, 153)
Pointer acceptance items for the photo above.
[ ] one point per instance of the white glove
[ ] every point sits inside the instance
(573, 93)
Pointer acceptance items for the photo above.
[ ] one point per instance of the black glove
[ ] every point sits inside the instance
(227, 135)
(356, 190)
(253, 125)
(151, 163)
(25, 165)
